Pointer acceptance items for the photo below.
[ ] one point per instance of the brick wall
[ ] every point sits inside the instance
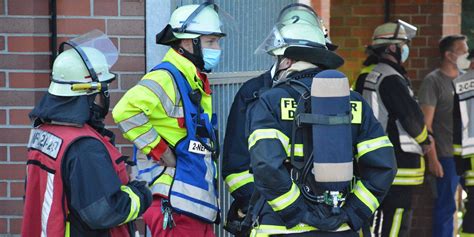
(25, 67)
(25, 64)
(352, 24)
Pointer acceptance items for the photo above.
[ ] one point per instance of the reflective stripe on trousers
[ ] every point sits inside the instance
(268, 230)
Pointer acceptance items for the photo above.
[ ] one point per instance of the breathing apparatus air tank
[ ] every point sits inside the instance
(332, 138)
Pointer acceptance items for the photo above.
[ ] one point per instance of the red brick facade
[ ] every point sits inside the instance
(25, 65)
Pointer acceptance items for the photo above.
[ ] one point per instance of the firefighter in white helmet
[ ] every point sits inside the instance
(287, 199)
(387, 89)
(77, 184)
(169, 117)
(235, 157)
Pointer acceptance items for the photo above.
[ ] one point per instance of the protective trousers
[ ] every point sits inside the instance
(322, 234)
(394, 216)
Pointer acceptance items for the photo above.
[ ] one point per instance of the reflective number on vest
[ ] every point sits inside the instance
(197, 147)
(465, 86)
(288, 108)
(356, 108)
(45, 142)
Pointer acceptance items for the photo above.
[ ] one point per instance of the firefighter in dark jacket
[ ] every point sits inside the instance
(463, 138)
(369, 63)
(236, 158)
(77, 183)
(289, 201)
(388, 92)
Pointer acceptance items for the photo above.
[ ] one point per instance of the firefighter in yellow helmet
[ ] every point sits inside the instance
(77, 183)
(169, 117)
(387, 89)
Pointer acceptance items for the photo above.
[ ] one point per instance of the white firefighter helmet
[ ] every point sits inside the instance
(83, 68)
(393, 33)
(192, 21)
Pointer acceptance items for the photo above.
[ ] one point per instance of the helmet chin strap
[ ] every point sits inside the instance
(196, 56)
(397, 54)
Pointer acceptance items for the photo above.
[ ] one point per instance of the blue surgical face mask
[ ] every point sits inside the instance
(405, 53)
(211, 58)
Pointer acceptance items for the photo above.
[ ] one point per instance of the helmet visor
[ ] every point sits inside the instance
(273, 41)
(94, 39)
(293, 16)
(410, 29)
(207, 19)
(300, 35)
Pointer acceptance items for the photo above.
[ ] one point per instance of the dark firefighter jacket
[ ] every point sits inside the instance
(402, 107)
(236, 157)
(270, 133)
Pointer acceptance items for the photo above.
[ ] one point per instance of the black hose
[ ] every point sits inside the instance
(53, 29)
(387, 11)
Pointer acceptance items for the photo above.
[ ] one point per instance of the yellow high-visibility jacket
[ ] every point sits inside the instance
(151, 113)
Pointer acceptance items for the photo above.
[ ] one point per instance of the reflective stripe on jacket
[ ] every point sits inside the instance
(269, 145)
(151, 112)
(464, 126)
(371, 94)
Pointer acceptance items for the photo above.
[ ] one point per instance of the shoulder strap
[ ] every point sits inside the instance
(177, 75)
(301, 93)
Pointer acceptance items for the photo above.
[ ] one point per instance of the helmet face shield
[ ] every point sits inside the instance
(192, 21)
(410, 30)
(97, 40)
(393, 33)
(206, 19)
(83, 65)
(273, 41)
(297, 25)
(298, 35)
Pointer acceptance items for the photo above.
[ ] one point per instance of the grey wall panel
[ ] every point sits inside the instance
(157, 13)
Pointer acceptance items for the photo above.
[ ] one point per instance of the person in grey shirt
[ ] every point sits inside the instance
(436, 99)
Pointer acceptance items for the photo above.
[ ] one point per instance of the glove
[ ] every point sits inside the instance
(140, 188)
(322, 218)
(235, 217)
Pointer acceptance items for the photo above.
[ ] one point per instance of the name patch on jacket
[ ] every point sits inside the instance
(465, 86)
(288, 108)
(45, 142)
(356, 111)
(197, 147)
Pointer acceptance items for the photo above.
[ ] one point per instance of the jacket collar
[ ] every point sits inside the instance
(195, 78)
(399, 68)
